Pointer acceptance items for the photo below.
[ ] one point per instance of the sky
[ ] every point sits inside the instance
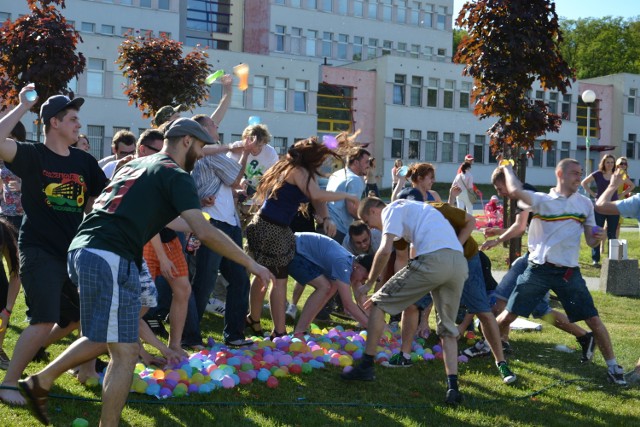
(575, 9)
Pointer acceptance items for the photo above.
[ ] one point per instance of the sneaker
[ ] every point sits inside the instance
(216, 306)
(632, 378)
(506, 348)
(359, 373)
(481, 348)
(588, 345)
(507, 376)
(157, 328)
(397, 361)
(4, 360)
(615, 374)
(291, 311)
(241, 342)
(454, 397)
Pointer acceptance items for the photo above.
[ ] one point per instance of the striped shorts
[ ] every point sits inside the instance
(109, 295)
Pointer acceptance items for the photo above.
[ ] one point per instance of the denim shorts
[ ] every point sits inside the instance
(109, 295)
(302, 270)
(474, 293)
(508, 283)
(567, 283)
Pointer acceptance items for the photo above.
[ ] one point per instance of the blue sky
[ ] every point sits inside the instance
(575, 9)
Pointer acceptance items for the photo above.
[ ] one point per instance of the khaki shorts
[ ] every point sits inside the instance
(442, 273)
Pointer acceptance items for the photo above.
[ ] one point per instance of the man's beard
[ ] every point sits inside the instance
(190, 159)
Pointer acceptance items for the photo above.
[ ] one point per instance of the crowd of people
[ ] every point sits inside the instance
(113, 248)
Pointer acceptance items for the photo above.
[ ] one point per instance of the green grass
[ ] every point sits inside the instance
(553, 389)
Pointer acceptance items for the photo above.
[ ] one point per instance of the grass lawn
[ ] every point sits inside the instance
(553, 388)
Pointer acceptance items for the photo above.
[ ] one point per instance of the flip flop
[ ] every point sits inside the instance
(37, 398)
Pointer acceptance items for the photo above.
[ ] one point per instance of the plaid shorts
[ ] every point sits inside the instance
(173, 249)
(109, 295)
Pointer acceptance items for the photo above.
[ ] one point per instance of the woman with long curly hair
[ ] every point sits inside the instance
(270, 240)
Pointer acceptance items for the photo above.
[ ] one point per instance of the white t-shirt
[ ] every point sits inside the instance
(109, 168)
(256, 165)
(556, 227)
(421, 225)
(224, 208)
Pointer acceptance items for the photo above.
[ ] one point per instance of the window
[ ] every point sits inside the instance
(119, 83)
(399, 87)
(311, 42)
(146, 33)
(465, 95)
(125, 31)
(565, 147)
(427, 20)
(73, 85)
(415, 50)
(280, 31)
(387, 47)
(372, 49)
(539, 95)
(164, 4)
(631, 101)
(432, 93)
(5, 16)
(166, 34)
(478, 149)
(95, 135)
(280, 94)
(145, 3)
(259, 92)
(95, 77)
(372, 11)
(396, 143)
(358, 9)
(126, 2)
(551, 156)
(537, 154)
(402, 48)
(296, 40)
(449, 87)
(87, 27)
(414, 144)
(463, 146)
(280, 144)
(386, 11)
(294, 3)
(631, 146)
(447, 147)
(441, 54)
(209, 16)
(312, 4)
(442, 18)
(107, 29)
(343, 42)
(428, 52)
(327, 44)
(401, 12)
(300, 96)
(581, 117)
(431, 148)
(342, 7)
(415, 13)
(335, 108)
(357, 48)
(327, 5)
(566, 107)
(553, 102)
(416, 91)
(237, 100)
(207, 42)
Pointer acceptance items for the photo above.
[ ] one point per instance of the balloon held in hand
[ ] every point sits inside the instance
(242, 72)
(595, 230)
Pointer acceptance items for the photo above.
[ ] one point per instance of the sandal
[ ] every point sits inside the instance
(251, 324)
(37, 398)
(275, 334)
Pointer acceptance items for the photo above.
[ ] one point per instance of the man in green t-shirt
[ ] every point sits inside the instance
(105, 257)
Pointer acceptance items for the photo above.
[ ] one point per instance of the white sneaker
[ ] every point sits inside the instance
(291, 311)
(216, 306)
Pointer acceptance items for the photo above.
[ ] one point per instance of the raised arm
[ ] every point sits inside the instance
(514, 186)
(225, 101)
(8, 146)
(604, 205)
(314, 192)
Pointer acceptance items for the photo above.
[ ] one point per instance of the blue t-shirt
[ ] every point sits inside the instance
(335, 261)
(413, 193)
(346, 181)
(630, 208)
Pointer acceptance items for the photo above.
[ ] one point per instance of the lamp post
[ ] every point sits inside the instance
(588, 97)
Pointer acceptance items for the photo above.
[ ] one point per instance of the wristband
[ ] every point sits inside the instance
(7, 311)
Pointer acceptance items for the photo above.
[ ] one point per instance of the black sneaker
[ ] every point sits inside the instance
(506, 348)
(359, 373)
(240, 342)
(615, 375)
(588, 344)
(481, 348)
(454, 397)
(397, 361)
(157, 328)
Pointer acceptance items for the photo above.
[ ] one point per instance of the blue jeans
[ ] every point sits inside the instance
(612, 226)
(237, 304)
(508, 283)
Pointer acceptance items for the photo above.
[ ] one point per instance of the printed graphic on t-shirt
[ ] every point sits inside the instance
(253, 172)
(66, 193)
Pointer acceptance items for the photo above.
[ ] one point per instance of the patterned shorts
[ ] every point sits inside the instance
(272, 245)
(109, 295)
(148, 291)
(173, 249)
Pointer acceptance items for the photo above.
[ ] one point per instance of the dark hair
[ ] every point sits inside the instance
(123, 137)
(357, 155)
(419, 170)
(19, 132)
(358, 227)
(150, 135)
(367, 203)
(465, 167)
(9, 245)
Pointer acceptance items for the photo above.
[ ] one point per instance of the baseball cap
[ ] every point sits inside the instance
(468, 157)
(365, 260)
(495, 198)
(164, 114)
(57, 103)
(184, 126)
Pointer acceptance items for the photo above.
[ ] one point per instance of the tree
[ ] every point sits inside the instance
(158, 74)
(458, 35)
(39, 48)
(510, 44)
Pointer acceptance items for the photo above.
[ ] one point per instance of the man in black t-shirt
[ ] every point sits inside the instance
(59, 184)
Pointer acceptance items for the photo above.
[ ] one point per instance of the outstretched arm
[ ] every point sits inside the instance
(8, 146)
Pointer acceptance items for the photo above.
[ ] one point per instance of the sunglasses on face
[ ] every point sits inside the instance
(154, 149)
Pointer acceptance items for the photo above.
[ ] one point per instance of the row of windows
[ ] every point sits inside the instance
(110, 30)
(158, 4)
(308, 42)
(414, 91)
(431, 147)
(399, 11)
(209, 16)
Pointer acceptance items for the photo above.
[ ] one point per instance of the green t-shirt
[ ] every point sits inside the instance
(142, 198)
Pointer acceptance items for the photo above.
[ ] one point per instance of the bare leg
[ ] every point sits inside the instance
(298, 289)
(602, 336)
(491, 334)
(505, 319)
(468, 318)
(256, 298)
(31, 339)
(409, 326)
(374, 329)
(117, 381)
(561, 321)
(181, 290)
(450, 353)
(277, 302)
(323, 291)
(424, 330)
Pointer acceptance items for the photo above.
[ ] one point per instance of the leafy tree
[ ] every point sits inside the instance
(159, 75)
(458, 34)
(510, 44)
(39, 48)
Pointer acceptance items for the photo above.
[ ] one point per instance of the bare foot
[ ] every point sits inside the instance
(11, 395)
